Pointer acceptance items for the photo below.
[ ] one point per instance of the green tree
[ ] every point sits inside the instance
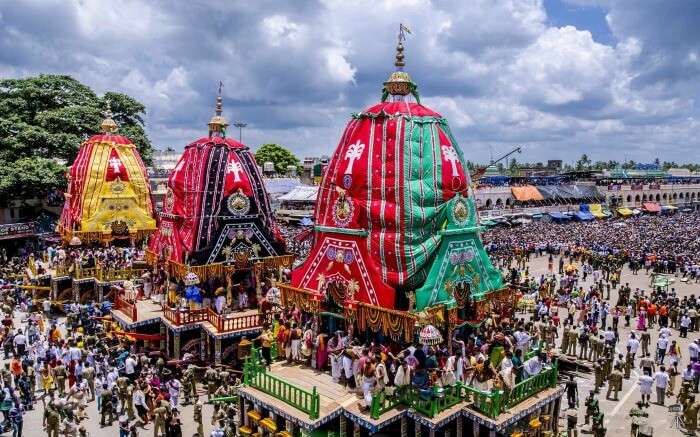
(583, 163)
(30, 177)
(43, 121)
(276, 154)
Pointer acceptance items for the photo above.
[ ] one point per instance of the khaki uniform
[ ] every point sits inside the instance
(628, 365)
(106, 408)
(598, 372)
(212, 379)
(60, 377)
(565, 340)
(53, 420)
(159, 421)
(89, 376)
(645, 339)
(198, 418)
(614, 384)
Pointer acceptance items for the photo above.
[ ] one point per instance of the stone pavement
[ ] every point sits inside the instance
(617, 420)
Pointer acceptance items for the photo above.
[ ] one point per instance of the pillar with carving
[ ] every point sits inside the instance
(357, 431)
(217, 351)
(163, 337)
(343, 431)
(176, 345)
(417, 429)
(404, 426)
(203, 345)
(460, 423)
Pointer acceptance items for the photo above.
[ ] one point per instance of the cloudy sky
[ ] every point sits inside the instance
(614, 79)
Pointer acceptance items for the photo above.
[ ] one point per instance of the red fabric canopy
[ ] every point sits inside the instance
(651, 207)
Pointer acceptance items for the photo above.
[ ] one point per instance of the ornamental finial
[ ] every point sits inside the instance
(399, 62)
(108, 125)
(218, 124)
(399, 82)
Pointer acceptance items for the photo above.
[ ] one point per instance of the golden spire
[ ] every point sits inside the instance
(399, 82)
(218, 124)
(108, 125)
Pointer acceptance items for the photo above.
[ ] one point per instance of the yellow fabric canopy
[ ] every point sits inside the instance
(526, 192)
(625, 212)
(597, 210)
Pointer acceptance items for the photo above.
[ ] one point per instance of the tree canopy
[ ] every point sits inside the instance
(43, 121)
(280, 156)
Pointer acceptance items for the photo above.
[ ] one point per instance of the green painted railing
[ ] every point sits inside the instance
(255, 375)
(525, 389)
(488, 402)
(491, 403)
(427, 402)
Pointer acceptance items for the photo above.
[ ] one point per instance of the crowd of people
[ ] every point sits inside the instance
(662, 243)
(66, 366)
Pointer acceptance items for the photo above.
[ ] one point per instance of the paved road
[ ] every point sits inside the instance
(617, 420)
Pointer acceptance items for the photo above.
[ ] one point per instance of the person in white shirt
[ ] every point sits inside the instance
(130, 367)
(661, 349)
(633, 344)
(645, 382)
(532, 367)
(661, 380)
(174, 390)
(20, 342)
(684, 325)
(139, 400)
(693, 350)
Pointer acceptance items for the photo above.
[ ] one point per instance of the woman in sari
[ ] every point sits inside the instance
(642, 320)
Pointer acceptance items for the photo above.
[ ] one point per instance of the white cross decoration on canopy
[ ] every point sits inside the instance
(353, 153)
(235, 168)
(450, 154)
(116, 164)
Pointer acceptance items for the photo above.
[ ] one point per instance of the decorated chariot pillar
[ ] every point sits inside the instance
(176, 345)
(343, 428)
(163, 337)
(217, 351)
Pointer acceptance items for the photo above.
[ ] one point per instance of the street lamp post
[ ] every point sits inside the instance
(240, 125)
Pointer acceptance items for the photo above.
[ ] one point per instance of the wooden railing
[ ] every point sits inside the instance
(180, 316)
(126, 307)
(222, 322)
(256, 376)
(81, 273)
(107, 275)
(491, 403)
(231, 322)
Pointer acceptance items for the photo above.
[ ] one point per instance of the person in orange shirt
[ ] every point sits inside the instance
(16, 368)
(663, 316)
(651, 312)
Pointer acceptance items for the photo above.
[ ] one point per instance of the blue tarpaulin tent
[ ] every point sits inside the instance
(559, 217)
(583, 215)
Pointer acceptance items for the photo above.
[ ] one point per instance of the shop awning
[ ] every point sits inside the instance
(526, 192)
(651, 207)
(597, 210)
(669, 207)
(625, 212)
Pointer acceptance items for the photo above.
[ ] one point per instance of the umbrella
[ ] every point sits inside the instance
(430, 335)
(306, 222)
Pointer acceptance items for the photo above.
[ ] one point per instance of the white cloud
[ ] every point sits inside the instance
(496, 68)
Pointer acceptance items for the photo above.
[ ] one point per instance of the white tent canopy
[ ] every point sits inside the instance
(301, 193)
